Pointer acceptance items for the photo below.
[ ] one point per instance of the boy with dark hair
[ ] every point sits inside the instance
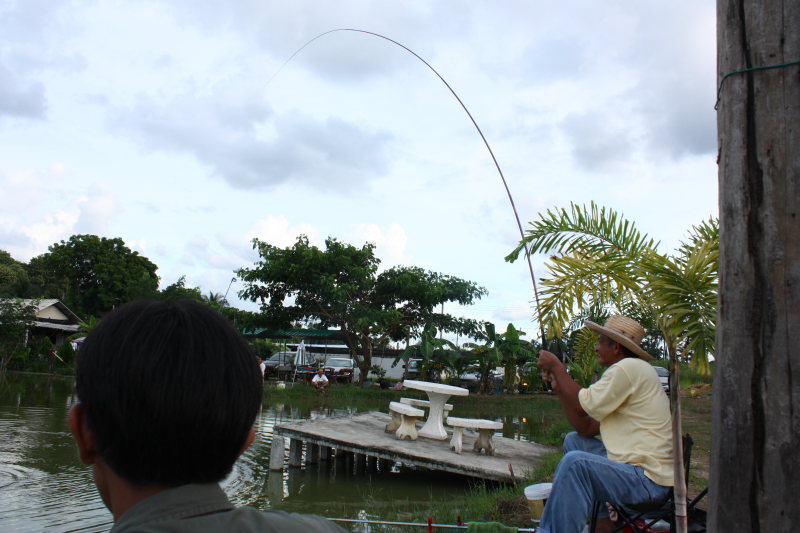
(168, 394)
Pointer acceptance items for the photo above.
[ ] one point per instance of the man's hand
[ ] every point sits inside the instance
(548, 362)
(555, 372)
(550, 378)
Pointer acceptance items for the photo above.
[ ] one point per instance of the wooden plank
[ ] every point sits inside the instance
(364, 434)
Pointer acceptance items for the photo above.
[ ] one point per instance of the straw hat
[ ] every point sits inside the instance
(625, 331)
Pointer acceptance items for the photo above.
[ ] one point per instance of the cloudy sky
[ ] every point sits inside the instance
(176, 126)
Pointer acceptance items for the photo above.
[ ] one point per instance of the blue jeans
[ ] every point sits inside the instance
(585, 475)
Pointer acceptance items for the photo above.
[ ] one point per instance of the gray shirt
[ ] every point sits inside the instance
(206, 508)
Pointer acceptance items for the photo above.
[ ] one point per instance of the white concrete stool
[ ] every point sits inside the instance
(408, 421)
(486, 429)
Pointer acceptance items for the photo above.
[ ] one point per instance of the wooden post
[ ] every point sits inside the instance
(275, 487)
(361, 463)
(325, 453)
(295, 452)
(276, 453)
(312, 454)
(755, 467)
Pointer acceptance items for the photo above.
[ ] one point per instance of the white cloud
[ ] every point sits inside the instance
(96, 211)
(51, 229)
(227, 133)
(171, 135)
(19, 98)
(390, 243)
(277, 231)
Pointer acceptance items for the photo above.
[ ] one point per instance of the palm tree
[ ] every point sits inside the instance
(215, 300)
(601, 262)
(514, 351)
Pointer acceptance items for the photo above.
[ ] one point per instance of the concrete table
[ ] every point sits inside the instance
(438, 395)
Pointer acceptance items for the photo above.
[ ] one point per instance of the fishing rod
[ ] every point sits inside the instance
(474, 123)
(429, 524)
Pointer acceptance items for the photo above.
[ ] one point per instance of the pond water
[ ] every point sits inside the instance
(45, 488)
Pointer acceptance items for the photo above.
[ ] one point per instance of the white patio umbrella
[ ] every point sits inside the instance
(300, 356)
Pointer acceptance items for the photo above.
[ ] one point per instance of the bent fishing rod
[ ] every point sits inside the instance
(474, 123)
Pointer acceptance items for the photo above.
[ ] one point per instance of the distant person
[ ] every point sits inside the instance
(167, 398)
(628, 409)
(262, 365)
(320, 381)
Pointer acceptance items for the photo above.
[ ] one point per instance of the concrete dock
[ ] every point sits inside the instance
(363, 435)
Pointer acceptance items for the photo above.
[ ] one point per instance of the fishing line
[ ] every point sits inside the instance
(474, 123)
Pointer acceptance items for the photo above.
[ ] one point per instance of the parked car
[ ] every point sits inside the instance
(435, 374)
(279, 365)
(412, 368)
(663, 377)
(471, 377)
(339, 370)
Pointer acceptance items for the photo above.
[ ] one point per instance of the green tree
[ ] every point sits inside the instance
(485, 356)
(600, 261)
(179, 291)
(16, 316)
(514, 352)
(340, 287)
(215, 300)
(93, 274)
(13, 276)
(436, 354)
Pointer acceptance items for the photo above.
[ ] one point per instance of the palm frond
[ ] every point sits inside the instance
(591, 230)
(685, 290)
(583, 282)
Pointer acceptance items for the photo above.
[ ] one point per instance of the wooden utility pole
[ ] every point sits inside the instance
(755, 461)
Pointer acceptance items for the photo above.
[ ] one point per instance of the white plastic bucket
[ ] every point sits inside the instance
(537, 496)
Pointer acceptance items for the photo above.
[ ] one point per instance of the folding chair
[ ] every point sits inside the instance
(639, 518)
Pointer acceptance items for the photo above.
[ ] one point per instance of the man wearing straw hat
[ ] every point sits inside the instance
(627, 408)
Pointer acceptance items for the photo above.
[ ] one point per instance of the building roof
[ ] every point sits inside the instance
(62, 327)
(42, 305)
(265, 333)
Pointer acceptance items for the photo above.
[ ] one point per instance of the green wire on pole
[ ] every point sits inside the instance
(751, 69)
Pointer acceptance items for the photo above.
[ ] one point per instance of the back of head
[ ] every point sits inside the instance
(170, 392)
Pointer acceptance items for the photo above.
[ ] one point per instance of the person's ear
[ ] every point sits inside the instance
(251, 435)
(84, 438)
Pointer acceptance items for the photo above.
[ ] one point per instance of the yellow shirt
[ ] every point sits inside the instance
(635, 422)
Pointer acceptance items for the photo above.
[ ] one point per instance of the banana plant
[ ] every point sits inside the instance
(485, 356)
(432, 350)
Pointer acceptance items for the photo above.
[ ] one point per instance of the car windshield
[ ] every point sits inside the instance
(663, 372)
(339, 363)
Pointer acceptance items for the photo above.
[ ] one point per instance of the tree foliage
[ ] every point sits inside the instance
(435, 354)
(601, 261)
(93, 274)
(485, 356)
(179, 291)
(340, 287)
(16, 316)
(13, 276)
